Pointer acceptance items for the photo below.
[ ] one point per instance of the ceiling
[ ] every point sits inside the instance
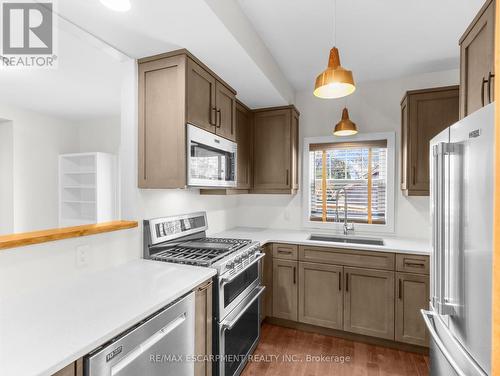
(86, 84)
(152, 27)
(377, 39)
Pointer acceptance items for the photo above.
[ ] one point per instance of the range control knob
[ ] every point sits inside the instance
(230, 265)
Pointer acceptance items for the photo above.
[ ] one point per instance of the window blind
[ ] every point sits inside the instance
(358, 167)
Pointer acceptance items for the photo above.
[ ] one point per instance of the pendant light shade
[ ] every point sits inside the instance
(345, 127)
(335, 81)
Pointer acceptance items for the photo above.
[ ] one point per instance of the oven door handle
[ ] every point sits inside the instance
(225, 280)
(230, 324)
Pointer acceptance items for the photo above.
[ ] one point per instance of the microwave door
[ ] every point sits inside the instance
(211, 159)
(210, 167)
(207, 163)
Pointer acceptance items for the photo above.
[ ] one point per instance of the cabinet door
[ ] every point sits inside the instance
(369, 302)
(429, 114)
(477, 63)
(285, 289)
(203, 328)
(225, 101)
(243, 132)
(162, 131)
(412, 296)
(200, 100)
(320, 295)
(404, 145)
(272, 150)
(73, 369)
(295, 151)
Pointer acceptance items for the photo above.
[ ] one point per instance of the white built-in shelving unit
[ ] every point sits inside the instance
(87, 188)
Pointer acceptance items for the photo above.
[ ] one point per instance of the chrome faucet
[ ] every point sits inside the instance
(347, 226)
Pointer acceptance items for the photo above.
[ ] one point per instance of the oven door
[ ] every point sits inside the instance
(239, 334)
(211, 159)
(235, 286)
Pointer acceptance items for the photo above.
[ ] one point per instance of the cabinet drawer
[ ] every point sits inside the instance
(285, 251)
(412, 263)
(366, 259)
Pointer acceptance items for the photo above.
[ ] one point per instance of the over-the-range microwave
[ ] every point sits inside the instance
(211, 159)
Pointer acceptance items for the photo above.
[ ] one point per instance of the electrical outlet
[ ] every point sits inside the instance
(82, 253)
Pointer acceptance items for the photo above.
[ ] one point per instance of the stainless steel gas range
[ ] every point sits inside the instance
(182, 239)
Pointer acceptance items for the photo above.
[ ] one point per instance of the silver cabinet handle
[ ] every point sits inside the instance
(429, 322)
(225, 280)
(230, 324)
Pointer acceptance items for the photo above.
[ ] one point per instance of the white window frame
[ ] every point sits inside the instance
(388, 227)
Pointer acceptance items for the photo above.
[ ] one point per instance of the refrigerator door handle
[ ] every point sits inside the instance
(429, 323)
(441, 151)
(435, 226)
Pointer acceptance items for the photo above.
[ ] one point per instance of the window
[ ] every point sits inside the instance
(359, 169)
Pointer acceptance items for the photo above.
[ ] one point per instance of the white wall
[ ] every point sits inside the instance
(43, 265)
(101, 134)
(37, 142)
(374, 107)
(6, 178)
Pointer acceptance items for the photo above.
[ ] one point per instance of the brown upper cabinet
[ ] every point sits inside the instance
(244, 138)
(200, 102)
(210, 104)
(424, 114)
(268, 141)
(174, 89)
(225, 100)
(276, 150)
(477, 65)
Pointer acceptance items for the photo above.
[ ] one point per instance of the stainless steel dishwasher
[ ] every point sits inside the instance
(159, 345)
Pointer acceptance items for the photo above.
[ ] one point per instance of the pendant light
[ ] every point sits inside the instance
(345, 127)
(335, 81)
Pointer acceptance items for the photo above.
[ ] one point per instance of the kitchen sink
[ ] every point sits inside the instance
(345, 239)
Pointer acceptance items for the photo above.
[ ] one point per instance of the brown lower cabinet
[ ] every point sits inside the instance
(73, 369)
(203, 328)
(285, 289)
(369, 302)
(320, 294)
(412, 296)
(362, 292)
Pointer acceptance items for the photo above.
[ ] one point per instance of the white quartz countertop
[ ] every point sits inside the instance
(264, 235)
(42, 332)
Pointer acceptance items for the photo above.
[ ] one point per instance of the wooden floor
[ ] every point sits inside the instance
(297, 345)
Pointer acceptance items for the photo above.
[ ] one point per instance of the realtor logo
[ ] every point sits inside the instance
(27, 34)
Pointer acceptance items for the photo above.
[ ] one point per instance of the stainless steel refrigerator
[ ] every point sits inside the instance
(459, 317)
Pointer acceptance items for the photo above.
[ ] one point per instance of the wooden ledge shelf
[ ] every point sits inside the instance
(35, 237)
